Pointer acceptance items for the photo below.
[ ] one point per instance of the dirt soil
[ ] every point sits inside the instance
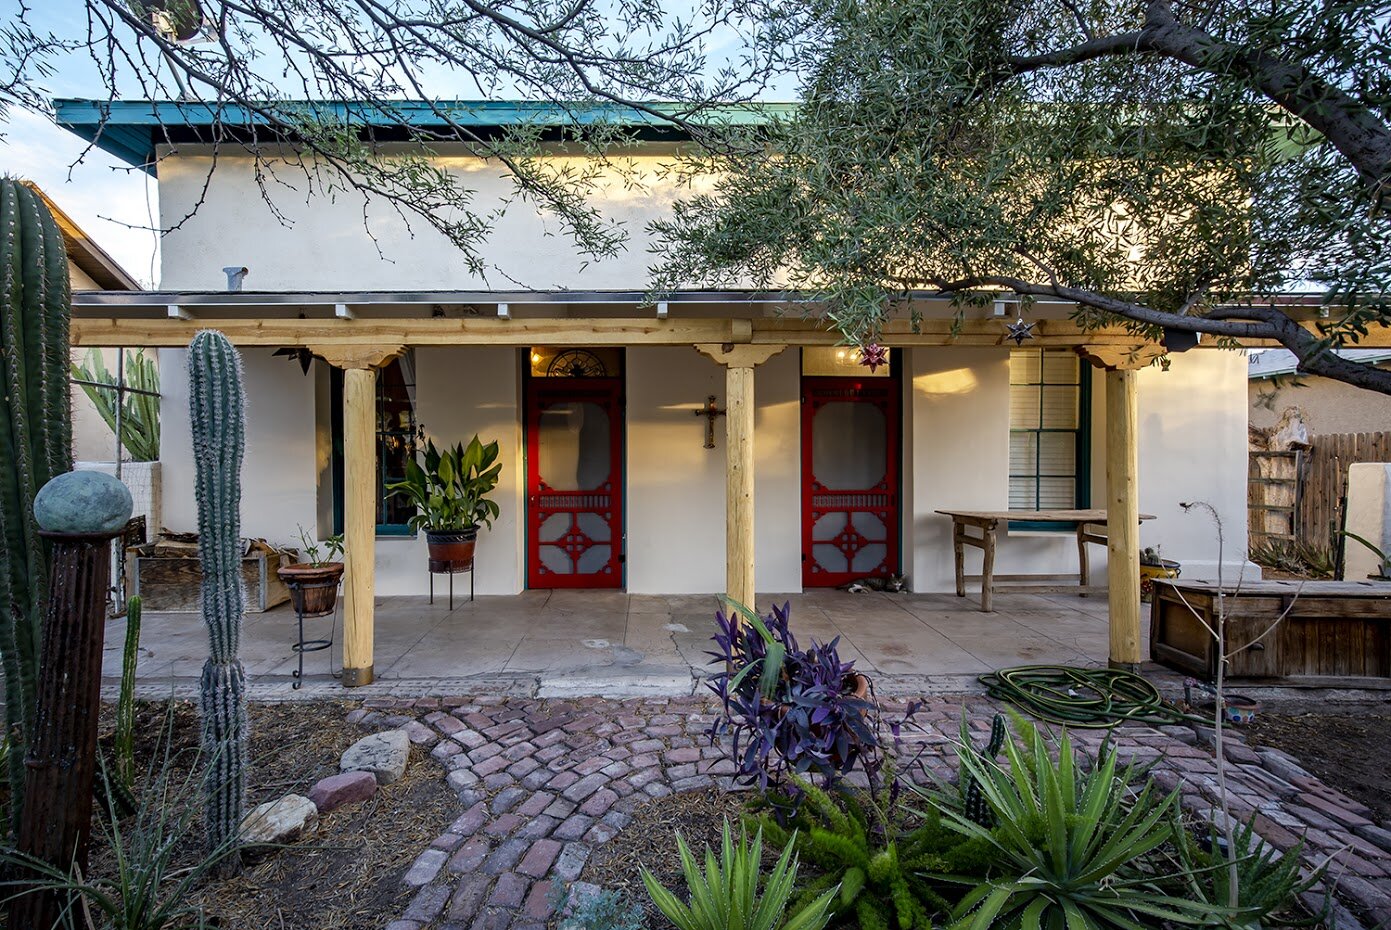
(650, 840)
(345, 874)
(1349, 749)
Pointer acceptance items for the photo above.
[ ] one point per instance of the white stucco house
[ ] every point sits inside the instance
(820, 471)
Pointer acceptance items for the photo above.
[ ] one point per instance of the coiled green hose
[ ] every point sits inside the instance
(1082, 697)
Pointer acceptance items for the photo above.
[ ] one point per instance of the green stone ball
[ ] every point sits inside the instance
(83, 502)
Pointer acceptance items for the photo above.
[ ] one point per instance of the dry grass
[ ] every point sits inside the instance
(345, 874)
(650, 840)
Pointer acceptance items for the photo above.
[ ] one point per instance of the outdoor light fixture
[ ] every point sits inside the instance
(1179, 340)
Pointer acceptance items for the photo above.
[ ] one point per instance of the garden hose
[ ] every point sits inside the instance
(1082, 697)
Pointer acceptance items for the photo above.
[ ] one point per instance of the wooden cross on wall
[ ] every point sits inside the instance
(709, 411)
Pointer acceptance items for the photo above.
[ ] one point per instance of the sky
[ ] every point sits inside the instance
(113, 204)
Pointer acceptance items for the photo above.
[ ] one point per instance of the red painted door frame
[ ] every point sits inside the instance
(605, 500)
(880, 500)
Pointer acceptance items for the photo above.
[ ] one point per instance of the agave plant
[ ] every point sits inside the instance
(731, 893)
(1071, 848)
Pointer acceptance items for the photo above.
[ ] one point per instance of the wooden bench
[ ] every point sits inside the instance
(1089, 526)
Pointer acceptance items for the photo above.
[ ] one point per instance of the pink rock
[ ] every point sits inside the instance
(346, 788)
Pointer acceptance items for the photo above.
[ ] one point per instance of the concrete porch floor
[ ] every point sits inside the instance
(560, 643)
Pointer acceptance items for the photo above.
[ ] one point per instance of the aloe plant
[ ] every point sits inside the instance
(139, 411)
(732, 894)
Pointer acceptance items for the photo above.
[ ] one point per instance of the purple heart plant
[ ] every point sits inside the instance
(789, 709)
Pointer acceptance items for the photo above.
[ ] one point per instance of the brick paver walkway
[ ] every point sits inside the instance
(541, 784)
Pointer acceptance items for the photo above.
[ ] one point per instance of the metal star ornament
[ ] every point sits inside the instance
(873, 355)
(1019, 331)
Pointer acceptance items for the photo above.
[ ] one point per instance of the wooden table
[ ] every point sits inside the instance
(1087, 523)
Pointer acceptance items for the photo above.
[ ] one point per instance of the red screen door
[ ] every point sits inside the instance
(574, 447)
(850, 440)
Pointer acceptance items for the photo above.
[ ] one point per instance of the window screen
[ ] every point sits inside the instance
(1048, 435)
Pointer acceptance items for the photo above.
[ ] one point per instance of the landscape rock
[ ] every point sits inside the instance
(279, 820)
(383, 754)
(335, 791)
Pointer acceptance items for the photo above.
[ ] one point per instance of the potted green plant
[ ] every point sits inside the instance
(314, 582)
(1153, 566)
(450, 494)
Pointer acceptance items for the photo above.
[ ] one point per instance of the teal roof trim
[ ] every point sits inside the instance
(130, 129)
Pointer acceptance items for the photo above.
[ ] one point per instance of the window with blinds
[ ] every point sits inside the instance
(1049, 438)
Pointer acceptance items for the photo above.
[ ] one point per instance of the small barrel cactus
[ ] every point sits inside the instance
(36, 421)
(976, 807)
(216, 404)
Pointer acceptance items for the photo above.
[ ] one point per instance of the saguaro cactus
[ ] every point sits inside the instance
(35, 441)
(216, 403)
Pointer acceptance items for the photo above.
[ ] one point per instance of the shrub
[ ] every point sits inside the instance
(877, 851)
(606, 909)
(1267, 883)
(1068, 847)
(1308, 560)
(727, 894)
(788, 709)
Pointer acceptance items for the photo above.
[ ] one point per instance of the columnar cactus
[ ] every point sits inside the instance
(35, 440)
(977, 808)
(216, 403)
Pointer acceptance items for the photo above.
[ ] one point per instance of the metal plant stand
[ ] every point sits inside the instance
(450, 568)
(302, 645)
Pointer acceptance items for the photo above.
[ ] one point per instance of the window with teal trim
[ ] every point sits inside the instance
(1049, 434)
(397, 434)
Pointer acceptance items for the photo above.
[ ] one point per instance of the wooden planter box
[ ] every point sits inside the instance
(173, 584)
(1335, 634)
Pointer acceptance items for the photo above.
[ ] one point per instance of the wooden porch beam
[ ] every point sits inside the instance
(246, 330)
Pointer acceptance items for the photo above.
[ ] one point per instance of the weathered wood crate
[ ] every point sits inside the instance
(168, 580)
(1333, 633)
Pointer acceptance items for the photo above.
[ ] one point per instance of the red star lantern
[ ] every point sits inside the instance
(873, 355)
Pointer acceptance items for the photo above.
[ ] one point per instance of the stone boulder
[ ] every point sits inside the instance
(383, 754)
(279, 820)
(345, 788)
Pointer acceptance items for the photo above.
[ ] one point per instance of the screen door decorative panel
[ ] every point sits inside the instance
(850, 455)
(574, 436)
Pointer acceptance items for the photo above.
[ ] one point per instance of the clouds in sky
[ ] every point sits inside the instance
(99, 192)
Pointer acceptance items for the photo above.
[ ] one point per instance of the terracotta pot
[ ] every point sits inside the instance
(451, 550)
(313, 588)
(861, 689)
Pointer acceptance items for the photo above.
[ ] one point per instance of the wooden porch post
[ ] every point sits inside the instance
(739, 362)
(1122, 496)
(1123, 518)
(359, 364)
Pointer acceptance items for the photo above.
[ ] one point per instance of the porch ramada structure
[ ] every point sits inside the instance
(823, 470)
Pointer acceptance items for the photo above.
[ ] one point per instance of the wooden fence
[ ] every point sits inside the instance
(1301, 495)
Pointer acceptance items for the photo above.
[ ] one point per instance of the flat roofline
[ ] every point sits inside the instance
(131, 129)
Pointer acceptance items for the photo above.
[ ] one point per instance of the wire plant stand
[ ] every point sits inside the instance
(318, 644)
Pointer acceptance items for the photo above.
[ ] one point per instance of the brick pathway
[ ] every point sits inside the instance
(542, 783)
